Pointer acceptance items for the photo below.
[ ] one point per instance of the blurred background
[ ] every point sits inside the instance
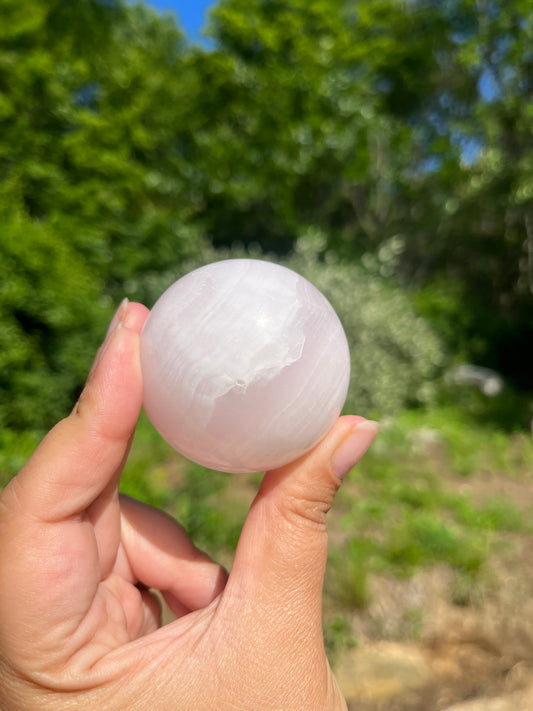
(383, 149)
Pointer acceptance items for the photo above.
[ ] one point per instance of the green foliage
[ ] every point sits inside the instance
(422, 539)
(212, 526)
(395, 355)
(48, 313)
(347, 578)
(310, 137)
(338, 636)
(379, 123)
(127, 152)
(494, 515)
(146, 475)
(406, 512)
(91, 195)
(15, 449)
(469, 445)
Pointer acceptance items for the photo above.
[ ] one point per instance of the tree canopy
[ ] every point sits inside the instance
(398, 132)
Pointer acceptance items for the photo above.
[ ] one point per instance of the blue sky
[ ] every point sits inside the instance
(191, 14)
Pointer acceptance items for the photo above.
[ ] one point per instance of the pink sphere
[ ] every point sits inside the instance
(245, 365)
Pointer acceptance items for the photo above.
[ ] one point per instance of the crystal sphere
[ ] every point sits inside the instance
(245, 365)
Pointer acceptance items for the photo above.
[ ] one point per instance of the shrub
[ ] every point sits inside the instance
(395, 356)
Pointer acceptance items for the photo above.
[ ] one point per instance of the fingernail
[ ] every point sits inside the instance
(353, 447)
(118, 317)
(116, 322)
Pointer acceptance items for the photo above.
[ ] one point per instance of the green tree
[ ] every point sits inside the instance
(399, 131)
(95, 190)
(49, 317)
(402, 130)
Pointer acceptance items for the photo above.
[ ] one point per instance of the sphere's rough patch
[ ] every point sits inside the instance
(245, 365)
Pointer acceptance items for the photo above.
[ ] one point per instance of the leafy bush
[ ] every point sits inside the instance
(51, 316)
(93, 188)
(395, 356)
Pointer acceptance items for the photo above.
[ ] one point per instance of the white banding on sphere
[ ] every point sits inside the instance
(245, 365)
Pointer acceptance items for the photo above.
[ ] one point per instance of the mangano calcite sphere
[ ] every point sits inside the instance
(246, 365)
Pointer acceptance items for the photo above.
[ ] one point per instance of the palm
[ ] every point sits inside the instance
(83, 557)
(91, 584)
(105, 605)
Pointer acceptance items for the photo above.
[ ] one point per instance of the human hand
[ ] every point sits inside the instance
(79, 627)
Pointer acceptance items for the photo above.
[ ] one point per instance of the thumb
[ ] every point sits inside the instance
(281, 557)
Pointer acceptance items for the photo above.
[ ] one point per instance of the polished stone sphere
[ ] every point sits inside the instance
(245, 365)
